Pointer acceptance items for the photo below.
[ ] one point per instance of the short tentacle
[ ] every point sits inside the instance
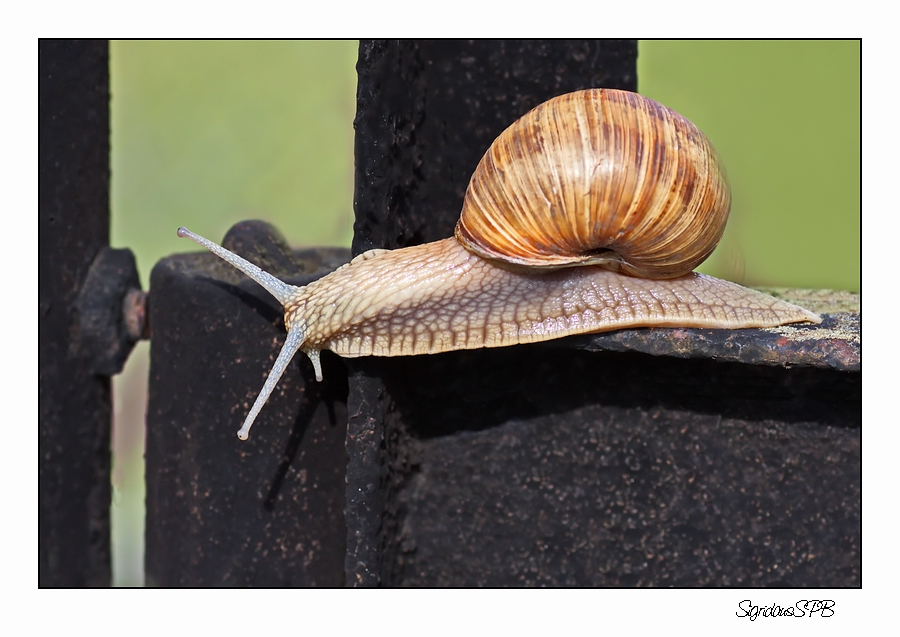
(314, 358)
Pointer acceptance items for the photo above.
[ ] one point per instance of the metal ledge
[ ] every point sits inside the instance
(834, 344)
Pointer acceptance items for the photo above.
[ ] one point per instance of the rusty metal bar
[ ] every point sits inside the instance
(73, 223)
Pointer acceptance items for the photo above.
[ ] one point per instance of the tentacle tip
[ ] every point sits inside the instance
(314, 358)
(183, 232)
(243, 434)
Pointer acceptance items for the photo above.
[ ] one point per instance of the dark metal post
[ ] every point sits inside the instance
(222, 512)
(73, 222)
(547, 464)
(426, 113)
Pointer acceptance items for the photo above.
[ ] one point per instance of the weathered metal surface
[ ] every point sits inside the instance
(634, 474)
(426, 113)
(554, 466)
(366, 478)
(222, 512)
(833, 344)
(548, 464)
(73, 226)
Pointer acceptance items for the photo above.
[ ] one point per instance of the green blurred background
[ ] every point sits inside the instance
(208, 133)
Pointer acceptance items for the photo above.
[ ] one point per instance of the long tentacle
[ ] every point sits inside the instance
(281, 291)
(275, 286)
(293, 342)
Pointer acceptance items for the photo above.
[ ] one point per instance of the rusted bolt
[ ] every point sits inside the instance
(134, 313)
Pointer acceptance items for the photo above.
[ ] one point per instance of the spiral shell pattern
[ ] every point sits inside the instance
(603, 177)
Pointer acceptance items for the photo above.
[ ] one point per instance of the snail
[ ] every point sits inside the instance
(627, 190)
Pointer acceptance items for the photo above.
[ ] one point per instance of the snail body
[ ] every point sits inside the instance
(587, 215)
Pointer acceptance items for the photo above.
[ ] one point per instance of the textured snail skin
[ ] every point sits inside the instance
(440, 297)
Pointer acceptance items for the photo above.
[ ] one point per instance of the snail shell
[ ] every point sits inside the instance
(604, 179)
(598, 177)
